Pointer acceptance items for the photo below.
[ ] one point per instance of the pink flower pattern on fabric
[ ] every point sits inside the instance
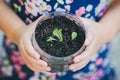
(80, 11)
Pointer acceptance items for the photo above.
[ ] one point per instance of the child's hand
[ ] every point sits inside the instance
(96, 37)
(29, 55)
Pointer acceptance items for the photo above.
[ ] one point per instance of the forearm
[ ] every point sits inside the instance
(111, 19)
(10, 23)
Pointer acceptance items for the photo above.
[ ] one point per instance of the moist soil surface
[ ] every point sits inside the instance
(55, 48)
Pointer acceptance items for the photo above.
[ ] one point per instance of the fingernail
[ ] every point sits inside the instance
(37, 57)
(87, 42)
(48, 69)
(43, 63)
(76, 60)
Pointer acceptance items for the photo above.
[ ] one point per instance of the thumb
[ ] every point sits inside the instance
(43, 17)
(89, 38)
(34, 23)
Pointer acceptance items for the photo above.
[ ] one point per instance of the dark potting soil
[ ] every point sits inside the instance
(55, 48)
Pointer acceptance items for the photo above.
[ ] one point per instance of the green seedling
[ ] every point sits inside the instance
(58, 34)
(50, 39)
(73, 35)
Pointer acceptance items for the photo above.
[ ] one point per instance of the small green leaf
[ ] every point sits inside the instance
(74, 35)
(50, 39)
(58, 34)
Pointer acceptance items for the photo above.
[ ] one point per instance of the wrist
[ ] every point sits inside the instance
(17, 33)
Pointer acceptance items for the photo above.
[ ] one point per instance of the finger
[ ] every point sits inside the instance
(29, 49)
(89, 38)
(89, 35)
(34, 24)
(38, 62)
(36, 65)
(85, 54)
(31, 60)
(37, 21)
(79, 64)
(81, 57)
(30, 54)
(38, 68)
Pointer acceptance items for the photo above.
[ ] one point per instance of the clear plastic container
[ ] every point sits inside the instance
(58, 64)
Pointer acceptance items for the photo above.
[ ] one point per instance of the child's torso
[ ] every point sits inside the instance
(30, 10)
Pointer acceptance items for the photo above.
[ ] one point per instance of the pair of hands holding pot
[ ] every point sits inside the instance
(96, 37)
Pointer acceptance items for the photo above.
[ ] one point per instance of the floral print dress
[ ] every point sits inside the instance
(12, 66)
